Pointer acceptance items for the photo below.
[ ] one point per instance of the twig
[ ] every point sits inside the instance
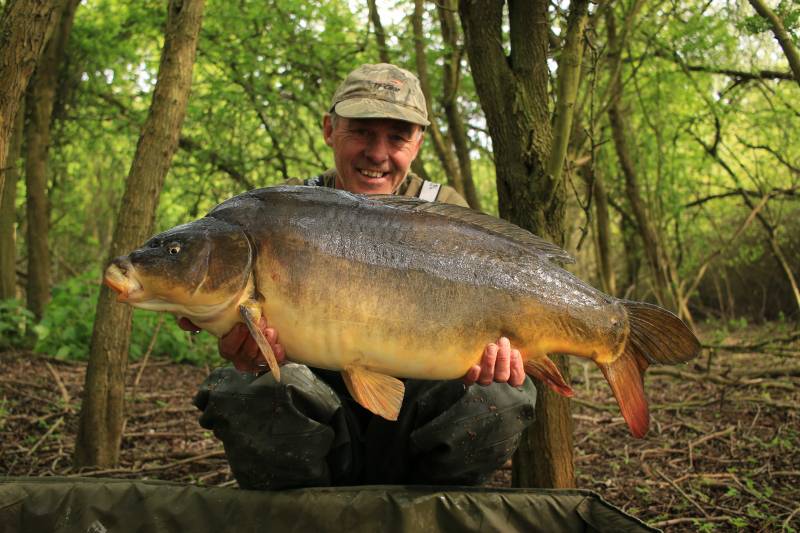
(773, 403)
(155, 468)
(685, 519)
(47, 434)
(686, 496)
(706, 439)
(147, 354)
(157, 434)
(786, 522)
(64, 393)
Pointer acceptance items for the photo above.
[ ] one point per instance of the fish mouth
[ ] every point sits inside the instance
(120, 278)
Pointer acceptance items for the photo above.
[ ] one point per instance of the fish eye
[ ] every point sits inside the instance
(174, 248)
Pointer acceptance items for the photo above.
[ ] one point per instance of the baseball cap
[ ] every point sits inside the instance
(381, 91)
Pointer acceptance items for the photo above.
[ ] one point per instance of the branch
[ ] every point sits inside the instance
(792, 191)
(772, 151)
(569, 70)
(733, 73)
(782, 36)
(216, 160)
(380, 35)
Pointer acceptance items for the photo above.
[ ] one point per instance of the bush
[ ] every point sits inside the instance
(16, 323)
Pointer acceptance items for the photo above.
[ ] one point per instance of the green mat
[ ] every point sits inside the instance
(51, 504)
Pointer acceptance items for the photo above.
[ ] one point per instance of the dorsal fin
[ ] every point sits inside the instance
(495, 225)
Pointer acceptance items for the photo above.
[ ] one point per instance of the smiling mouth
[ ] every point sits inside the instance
(372, 174)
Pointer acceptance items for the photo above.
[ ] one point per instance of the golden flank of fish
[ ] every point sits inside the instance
(387, 287)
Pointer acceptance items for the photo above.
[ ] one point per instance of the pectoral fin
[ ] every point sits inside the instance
(250, 317)
(545, 370)
(379, 393)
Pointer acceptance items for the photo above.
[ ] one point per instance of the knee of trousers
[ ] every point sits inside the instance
(477, 434)
(275, 434)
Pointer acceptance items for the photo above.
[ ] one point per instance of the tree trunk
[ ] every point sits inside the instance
(25, 27)
(40, 98)
(452, 74)
(514, 97)
(8, 213)
(100, 427)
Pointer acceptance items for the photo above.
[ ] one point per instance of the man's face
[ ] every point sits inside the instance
(372, 155)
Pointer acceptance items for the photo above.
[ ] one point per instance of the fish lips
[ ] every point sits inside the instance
(119, 277)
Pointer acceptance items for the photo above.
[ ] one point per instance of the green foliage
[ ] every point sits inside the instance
(16, 323)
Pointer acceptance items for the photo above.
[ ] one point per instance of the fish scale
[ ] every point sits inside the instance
(386, 287)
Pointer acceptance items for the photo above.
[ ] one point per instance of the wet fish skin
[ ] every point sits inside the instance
(386, 286)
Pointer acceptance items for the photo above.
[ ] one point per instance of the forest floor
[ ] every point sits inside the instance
(722, 454)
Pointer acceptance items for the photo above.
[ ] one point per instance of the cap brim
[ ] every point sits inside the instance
(370, 108)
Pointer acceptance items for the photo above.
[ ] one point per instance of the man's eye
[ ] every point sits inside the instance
(174, 248)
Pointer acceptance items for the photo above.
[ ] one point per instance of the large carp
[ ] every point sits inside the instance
(387, 287)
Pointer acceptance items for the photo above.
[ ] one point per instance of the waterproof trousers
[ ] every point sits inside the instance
(307, 431)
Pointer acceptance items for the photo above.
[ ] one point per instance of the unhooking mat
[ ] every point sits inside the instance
(52, 504)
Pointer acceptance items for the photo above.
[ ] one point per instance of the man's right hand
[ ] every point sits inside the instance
(240, 348)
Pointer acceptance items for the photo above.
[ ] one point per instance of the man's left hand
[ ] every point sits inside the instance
(500, 363)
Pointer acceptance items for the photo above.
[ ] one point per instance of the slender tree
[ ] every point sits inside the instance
(101, 419)
(513, 91)
(383, 53)
(8, 213)
(25, 26)
(40, 98)
(440, 144)
(451, 74)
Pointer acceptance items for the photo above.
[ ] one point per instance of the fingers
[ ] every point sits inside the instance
(472, 375)
(230, 345)
(502, 365)
(499, 363)
(488, 360)
(240, 348)
(277, 349)
(517, 370)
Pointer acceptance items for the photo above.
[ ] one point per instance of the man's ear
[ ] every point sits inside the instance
(327, 129)
(419, 142)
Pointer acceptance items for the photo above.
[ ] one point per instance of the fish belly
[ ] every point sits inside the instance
(331, 313)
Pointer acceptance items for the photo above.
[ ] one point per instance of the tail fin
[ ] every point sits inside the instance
(660, 336)
(656, 337)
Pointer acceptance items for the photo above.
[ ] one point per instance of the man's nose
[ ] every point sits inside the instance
(378, 148)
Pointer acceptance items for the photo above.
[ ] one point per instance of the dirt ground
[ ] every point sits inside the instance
(722, 454)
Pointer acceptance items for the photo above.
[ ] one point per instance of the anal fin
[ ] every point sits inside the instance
(378, 393)
(249, 318)
(546, 371)
(626, 378)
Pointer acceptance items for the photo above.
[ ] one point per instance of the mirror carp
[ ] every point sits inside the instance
(388, 287)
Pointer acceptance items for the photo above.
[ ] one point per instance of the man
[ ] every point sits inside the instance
(306, 430)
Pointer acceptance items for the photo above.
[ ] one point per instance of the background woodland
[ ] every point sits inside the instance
(658, 142)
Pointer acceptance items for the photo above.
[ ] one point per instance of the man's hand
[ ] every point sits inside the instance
(240, 348)
(499, 363)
